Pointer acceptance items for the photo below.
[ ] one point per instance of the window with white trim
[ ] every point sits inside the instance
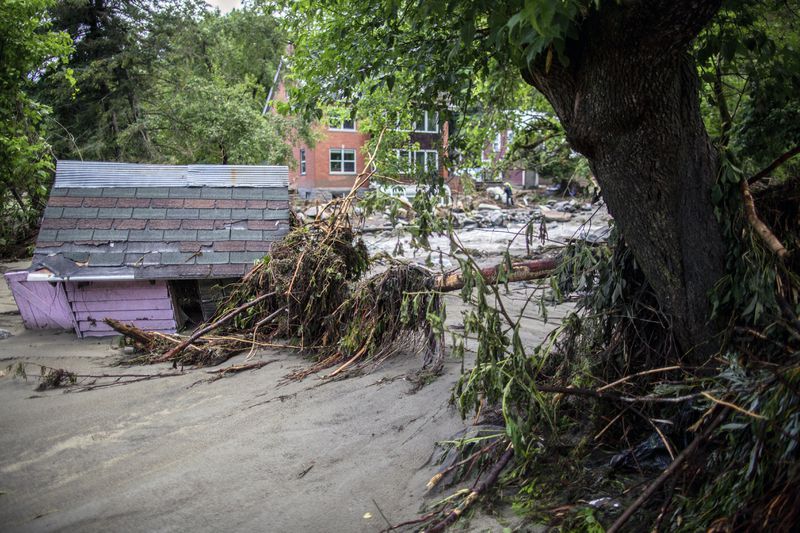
(418, 160)
(340, 123)
(303, 161)
(498, 142)
(427, 122)
(342, 161)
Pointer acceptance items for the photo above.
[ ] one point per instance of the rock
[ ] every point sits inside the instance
(488, 207)
(312, 211)
(569, 206)
(586, 207)
(4, 334)
(496, 218)
(495, 192)
(551, 215)
(595, 236)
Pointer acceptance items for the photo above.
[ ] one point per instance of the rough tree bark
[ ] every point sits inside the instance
(629, 102)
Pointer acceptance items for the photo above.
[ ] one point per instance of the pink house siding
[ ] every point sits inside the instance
(145, 304)
(82, 306)
(42, 305)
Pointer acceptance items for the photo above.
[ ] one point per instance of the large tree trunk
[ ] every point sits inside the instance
(629, 102)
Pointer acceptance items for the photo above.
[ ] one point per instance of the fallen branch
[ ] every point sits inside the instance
(524, 271)
(772, 242)
(214, 325)
(775, 164)
(654, 486)
(233, 369)
(438, 477)
(494, 473)
(599, 393)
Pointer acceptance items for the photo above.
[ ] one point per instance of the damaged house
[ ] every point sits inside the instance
(149, 245)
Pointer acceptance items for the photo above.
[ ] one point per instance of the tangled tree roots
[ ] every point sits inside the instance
(307, 290)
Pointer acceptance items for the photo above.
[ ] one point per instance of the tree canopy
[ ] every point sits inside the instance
(29, 50)
(674, 105)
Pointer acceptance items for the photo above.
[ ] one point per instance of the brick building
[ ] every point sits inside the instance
(330, 167)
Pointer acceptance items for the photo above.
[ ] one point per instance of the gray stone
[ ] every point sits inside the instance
(4, 334)
(488, 207)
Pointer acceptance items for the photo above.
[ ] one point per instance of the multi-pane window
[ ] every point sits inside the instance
(343, 161)
(418, 160)
(302, 161)
(341, 123)
(422, 122)
(427, 122)
(498, 142)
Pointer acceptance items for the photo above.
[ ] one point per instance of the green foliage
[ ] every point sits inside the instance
(172, 83)
(28, 50)
(749, 60)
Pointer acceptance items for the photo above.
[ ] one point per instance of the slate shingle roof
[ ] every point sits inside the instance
(159, 232)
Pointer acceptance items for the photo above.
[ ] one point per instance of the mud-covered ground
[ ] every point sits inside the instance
(239, 454)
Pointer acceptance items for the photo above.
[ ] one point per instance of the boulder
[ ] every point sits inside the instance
(488, 207)
(551, 215)
(495, 192)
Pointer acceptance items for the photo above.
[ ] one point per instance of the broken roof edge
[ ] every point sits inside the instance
(96, 174)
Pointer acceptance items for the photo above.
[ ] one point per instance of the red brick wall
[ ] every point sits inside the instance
(318, 160)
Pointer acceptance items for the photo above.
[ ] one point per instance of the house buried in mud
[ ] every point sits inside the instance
(149, 245)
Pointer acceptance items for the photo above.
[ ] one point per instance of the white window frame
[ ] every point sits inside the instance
(341, 120)
(497, 145)
(302, 161)
(411, 159)
(341, 152)
(429, 117)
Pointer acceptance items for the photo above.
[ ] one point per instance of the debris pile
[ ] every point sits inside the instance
(307, 291)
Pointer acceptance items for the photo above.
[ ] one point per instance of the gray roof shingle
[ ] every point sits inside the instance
(158, 230)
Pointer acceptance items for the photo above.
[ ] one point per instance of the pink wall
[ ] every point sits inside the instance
(83, 306)
(145, 304)
(42, 305)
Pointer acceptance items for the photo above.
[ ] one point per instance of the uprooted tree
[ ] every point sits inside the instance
(696, 307)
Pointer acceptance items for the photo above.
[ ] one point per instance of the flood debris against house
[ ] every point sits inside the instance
(312, 288)
(147, 244)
